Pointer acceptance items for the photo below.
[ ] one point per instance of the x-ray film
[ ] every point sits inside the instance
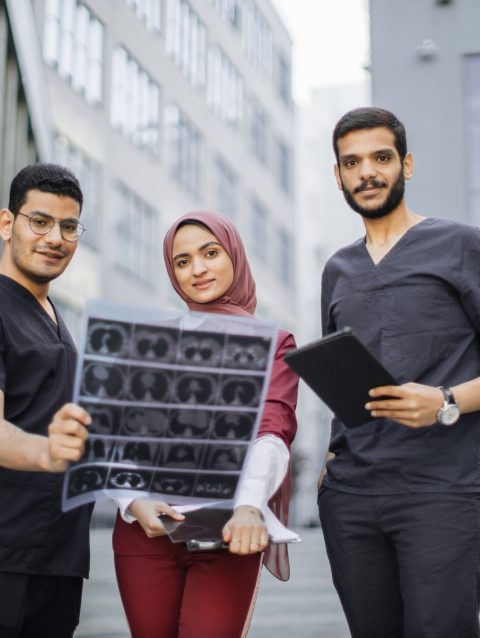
(175, 398)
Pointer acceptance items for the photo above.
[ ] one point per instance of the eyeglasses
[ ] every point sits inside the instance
(41, 224)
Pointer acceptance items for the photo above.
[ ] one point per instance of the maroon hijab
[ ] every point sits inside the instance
(240, 298)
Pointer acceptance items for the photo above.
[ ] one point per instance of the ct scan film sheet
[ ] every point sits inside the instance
(175, 399)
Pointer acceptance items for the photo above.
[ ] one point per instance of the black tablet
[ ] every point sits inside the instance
(201, 529)
(341, 370)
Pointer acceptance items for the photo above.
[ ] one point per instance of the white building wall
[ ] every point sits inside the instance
(426, 69)
(88, 128)
(325, 224)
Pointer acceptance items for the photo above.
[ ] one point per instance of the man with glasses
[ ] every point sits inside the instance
(44, 553)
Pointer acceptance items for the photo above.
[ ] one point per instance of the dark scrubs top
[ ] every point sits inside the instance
(37, 365)
(418, 311)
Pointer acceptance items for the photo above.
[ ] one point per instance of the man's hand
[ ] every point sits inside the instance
(147, 513)
(67, 434)
(245, 532)
(412, 404)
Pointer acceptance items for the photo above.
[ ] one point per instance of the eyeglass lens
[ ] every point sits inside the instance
(71, 229)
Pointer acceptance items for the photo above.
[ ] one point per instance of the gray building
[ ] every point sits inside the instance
(24, 114)
(426, 68)
(159, 107)
(166, 106)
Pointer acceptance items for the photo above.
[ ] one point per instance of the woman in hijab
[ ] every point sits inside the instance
(167, 591)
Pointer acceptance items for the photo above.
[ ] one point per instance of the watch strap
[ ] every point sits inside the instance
(448, 395)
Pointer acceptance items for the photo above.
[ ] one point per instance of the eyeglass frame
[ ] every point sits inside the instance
(54, 221)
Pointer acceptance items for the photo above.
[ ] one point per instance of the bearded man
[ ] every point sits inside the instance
(400, 499)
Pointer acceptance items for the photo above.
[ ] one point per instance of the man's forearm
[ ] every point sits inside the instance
(22, 451)
(467, 395)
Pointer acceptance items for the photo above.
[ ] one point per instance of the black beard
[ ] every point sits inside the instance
(394, 198)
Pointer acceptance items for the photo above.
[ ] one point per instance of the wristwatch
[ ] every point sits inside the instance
(449, 413)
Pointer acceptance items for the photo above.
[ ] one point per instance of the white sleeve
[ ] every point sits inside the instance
(123, 504)
(266, 468)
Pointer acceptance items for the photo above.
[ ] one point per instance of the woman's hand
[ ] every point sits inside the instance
(411, 404)
(245, 532)
(147, 513)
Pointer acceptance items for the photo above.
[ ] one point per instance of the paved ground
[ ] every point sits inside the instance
(304, 607)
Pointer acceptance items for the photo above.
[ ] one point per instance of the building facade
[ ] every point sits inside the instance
(426, 68)
(24, 114)
(325, 224)
(166, 106)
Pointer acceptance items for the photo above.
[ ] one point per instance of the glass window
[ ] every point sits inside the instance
(186, 41)
(284, 166)
(52, 30)
(94, 81)
(67, 42)
(136, 236)
(285, 259)
(79, 76)
(150, 11)
(258, 130)
(184, 149)
(135, 104)
(225, 88)
(257, 37)
(226, 188)
(284, 78)
(259, 221)
(229, 11)
(472, 102)
(88, 173)
(73, 45)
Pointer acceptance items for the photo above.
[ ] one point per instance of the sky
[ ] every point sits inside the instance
(330, 41)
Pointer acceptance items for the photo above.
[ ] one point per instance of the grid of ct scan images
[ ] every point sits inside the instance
(173, 410)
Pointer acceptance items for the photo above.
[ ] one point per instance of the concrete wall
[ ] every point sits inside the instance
(417, 51)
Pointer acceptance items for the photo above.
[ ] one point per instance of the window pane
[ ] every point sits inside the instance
(88, 173)
(258, 40)
(185, 41)
(226, 189)
(73, 44)
(136, 235)
(135, 102)
(259, 221)
(184, 149)
(51, 38)
(67, 40)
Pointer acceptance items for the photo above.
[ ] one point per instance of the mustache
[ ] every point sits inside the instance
(375, 183)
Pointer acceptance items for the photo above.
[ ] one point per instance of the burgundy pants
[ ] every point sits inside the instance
(168, 592)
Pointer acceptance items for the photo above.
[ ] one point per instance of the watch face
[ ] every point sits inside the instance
(449, 415)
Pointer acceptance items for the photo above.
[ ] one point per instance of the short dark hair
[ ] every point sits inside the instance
(371, 117)
(48, 178)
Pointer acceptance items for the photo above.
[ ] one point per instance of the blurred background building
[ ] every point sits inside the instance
(425, 65)
(164, 106)
(161, 107)
(25, 125)
(325, 223)
(174, 105)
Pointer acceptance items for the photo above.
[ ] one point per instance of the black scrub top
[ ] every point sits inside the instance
(37, 365)
(418, 311)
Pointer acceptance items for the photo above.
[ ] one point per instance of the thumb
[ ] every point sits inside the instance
(163, 508)
(227, 533)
